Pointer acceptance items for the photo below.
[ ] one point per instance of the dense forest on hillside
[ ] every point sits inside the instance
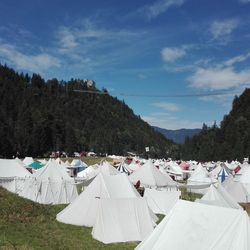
(230, 141)
(38, 116)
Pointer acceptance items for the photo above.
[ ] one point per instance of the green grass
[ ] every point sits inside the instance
(189, 196)
(28, 225)
(89, 160)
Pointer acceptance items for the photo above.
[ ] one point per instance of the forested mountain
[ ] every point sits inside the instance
(38, 116)
(178, 135)
(229, 141)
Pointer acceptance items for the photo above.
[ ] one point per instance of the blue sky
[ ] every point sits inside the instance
(149, 51)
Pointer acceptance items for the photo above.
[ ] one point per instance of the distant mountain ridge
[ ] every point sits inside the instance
(178, 135)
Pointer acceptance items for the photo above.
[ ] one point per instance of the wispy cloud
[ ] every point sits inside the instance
(67, 39)
(172, 54)
(224, 100)
(142, 76)
(221, 30)
(221, 76)
(83, 48)
(89, 34)
(33, 63)
(93, 46)
(168, 106)
(244, 1)
(170, 122)
(237, 59)
(151, 11)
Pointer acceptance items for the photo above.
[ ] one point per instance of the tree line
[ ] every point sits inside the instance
(229, 141)
(38, 116)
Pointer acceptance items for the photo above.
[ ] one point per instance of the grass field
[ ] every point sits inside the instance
(28, 225)
(89, 160)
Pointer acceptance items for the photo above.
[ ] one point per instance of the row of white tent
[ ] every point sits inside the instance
(117, 218)
(148, 175)
(50, 184)
(111, 205)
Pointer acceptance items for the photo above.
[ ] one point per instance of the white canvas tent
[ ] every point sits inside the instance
(245, 178)
(161, 202)
(92, 171)
(174, 169)
(237, 190)
(122, 168)
(12, 174)
(150, 176)
(195, 226)
(122, 220)
(76, 163)
(89, 172)
(28, 160)
(106, 168)
(223, 174)
(43, 161)
(133, 166)
(84, 209)
(50, 185)
(76, 166)
(12, 168)
(214, 173)
(199, 180)
(218, 196)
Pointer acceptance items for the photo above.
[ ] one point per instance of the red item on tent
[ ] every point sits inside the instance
(137, 185)
(184, 165)
(237, 169)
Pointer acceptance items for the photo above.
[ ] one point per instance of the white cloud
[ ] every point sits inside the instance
(222, 76)
(158, 8)
(67, 39)
(172, 54)
(171, 122)
(218, 78)
(168, 106)
(34, 63)
(142, 76)
(86, 38)
(223, 100)
(222, 29)
(236, 59)
(244, 1)
(90, 46)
